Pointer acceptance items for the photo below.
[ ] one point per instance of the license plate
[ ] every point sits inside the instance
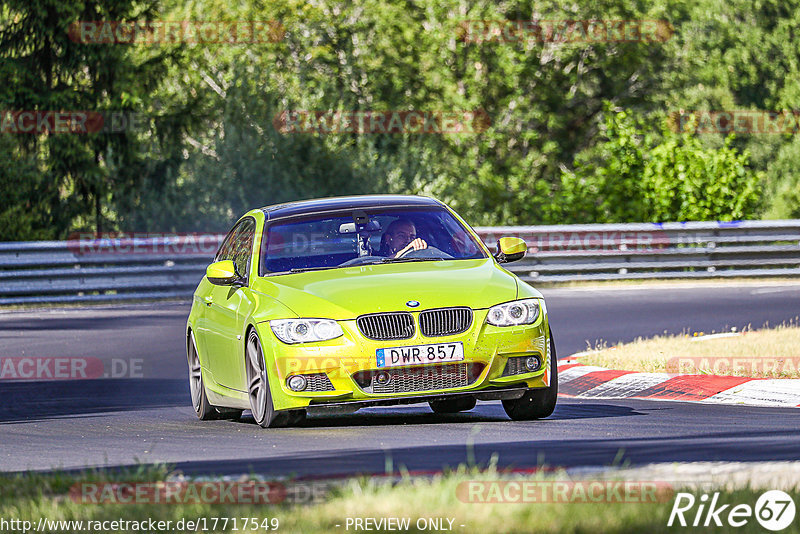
(420, 354)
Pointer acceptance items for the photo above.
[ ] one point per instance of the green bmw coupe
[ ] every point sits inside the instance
(336, 304)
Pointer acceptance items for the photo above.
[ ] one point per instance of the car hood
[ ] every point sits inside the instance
(352, 291)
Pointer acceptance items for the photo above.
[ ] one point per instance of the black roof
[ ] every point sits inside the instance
(318, 205)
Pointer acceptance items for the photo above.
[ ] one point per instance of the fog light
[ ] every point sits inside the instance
(533, 363)
(297, 383)
(383, 378)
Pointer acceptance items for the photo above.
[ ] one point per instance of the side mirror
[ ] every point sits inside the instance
(222, 273)
(510, 249)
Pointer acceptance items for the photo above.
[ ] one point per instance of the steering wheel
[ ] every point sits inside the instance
(405, 252)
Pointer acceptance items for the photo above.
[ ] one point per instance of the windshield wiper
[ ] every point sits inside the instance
(402, 260)
(305, 269)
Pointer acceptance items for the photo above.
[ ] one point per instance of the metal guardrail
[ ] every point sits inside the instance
(655, 250)
(108, 269)
(84, 270)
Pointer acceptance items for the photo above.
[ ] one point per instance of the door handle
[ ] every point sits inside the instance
(208, 300)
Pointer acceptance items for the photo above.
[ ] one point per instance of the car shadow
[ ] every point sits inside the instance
(422, 415)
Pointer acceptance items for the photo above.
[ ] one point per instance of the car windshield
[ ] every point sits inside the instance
(365, 237)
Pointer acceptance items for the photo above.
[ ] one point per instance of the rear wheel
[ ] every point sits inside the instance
(536, 403)
(461, 404)
(205, 410)
(258, 388)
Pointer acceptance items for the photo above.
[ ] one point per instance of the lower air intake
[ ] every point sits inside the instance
(422, 378)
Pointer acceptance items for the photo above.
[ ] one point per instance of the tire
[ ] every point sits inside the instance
(536, 403)
(258, 387)
(461, 404)
(205, 410)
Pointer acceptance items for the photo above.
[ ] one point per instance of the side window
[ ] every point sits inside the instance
(243, 247)
(238, 245)
(224, 252)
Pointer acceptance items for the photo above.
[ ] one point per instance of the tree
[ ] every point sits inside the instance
(46, 70)
(638, 174)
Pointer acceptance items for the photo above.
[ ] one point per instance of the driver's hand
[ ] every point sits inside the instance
(417, 244)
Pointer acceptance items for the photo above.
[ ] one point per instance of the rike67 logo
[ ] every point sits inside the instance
(774, 510)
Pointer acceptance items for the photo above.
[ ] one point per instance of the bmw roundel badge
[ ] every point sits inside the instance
(412, 303)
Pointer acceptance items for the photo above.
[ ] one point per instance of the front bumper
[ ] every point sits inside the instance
(341, 364)
(487, 394)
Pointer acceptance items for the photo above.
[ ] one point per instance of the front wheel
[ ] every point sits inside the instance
(536, 403)
(258, 388)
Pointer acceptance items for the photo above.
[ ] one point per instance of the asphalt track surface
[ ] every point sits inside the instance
(123, 421)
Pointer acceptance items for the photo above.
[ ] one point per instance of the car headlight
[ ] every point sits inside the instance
(514, 313)
(305, 330)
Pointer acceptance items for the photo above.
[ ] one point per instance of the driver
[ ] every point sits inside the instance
(400, 237)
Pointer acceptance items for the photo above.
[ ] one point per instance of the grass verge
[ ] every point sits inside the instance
(442, 500)
(766, 353)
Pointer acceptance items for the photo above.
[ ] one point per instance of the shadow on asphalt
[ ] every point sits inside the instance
(36, 401)
(484, 413)
(86, 324)
(24, 401)
(521, 454)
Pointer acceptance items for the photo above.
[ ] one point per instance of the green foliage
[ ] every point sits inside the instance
(685, 182)
(45, 70)
(553, 153)
(784, 181)
(26, 196)
(635, 174)
(608, 182)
